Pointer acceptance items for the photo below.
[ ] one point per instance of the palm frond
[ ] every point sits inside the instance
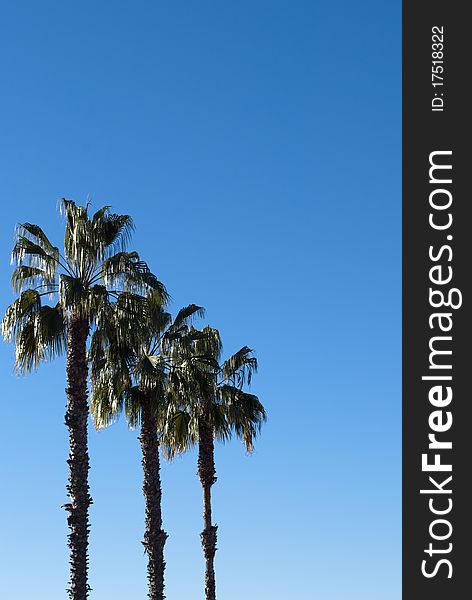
(209, 344)
(72, 293)
(111, 231)
(28, 352)
(240, 367)
(77, 240)
(186, 315)
(127, 271)
(219, 422)
(150, 372)
(25, 276)
(42, 337)
(51, 330)
(158, 320)
(37, 235)
(19, 312)
(132, 400)
(179, 433)
(105, 407)
(243, 412)
(25, 250)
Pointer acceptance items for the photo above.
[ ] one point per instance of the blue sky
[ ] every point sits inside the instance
(257, 146)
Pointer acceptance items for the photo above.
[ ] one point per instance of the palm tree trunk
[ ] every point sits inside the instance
(206, 473)
(78, 489)
(154, 537)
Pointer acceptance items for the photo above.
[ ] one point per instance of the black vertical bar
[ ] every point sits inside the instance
(436, 118)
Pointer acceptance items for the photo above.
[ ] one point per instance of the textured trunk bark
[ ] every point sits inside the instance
(154, 536)
(206, 473)
(78, 489)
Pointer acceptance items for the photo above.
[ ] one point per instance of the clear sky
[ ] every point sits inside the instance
(256, 143)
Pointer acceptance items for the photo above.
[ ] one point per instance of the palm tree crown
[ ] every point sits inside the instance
(93, 269)
(217, 395)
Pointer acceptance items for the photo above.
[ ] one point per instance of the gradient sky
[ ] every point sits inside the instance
(257, 145)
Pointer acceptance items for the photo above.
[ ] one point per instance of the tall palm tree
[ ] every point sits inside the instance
(217, 408)
(83, 280)
(138, 374)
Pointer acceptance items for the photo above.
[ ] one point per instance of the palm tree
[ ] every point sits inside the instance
(84, 280)
(217, 408)
(138, 374)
